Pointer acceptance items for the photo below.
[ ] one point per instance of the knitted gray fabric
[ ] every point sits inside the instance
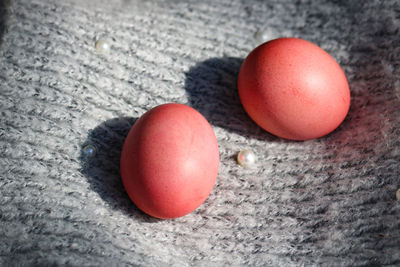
(328, 202)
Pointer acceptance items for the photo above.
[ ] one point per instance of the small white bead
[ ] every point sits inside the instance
(89, 151)
(398, 194)
(262, 36)
(102, 46)
(246, 158)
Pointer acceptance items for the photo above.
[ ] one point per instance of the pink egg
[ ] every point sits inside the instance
(169, 161)
(293, 89)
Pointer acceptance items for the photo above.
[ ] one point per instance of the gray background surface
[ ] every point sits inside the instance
(329, 201)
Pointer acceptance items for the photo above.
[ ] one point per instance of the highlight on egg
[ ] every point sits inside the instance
(169, 161)
(293, 89)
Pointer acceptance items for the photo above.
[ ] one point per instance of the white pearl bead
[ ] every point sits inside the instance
(398, 194)
(262, 36)
(102, 46)
(246, 158)
(89, 151)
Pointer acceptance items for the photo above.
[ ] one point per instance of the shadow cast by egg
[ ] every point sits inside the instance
(4, 14)
(212, 89)
(100, 163)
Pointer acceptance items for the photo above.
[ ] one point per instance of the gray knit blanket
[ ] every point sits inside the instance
(324, 202)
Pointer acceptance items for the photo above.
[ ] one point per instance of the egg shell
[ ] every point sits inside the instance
(293, 89)
(169, 161)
